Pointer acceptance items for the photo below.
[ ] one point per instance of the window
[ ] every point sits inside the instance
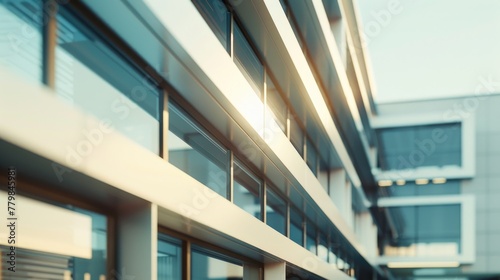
(21, 44)
(296, 227)
(207, 265)
(194, 151)
(312, 157)
(247, 190)
(75, 245)
(424, 230)
(169, 258)
(323, 247)
(311, 237)
(276, 211)
(297, 136)
(278, 107)
(218, 18)
(92, 76)
(418, 146)
(248, 61)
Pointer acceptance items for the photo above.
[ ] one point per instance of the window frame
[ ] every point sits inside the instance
(467, 228)
(468, 136)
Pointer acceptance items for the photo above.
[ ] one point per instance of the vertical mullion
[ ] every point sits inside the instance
(288, 220)
(230, 175)
(186, 260)
(49, 42)
(264, 202)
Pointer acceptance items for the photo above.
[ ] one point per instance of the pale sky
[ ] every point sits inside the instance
(432, 48)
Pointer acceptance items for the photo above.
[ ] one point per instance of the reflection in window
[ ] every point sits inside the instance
(427, 230)
(248, 62)
(323, 247)
(169, 258)
(247, 188)
(296, 227)
(312, 157)
(206, 266)
(297, 136)
(21, 44)
(92, 76)
(75, 245)
(278, 107)
(311, 238)
(194, 151)
(417, 146)
(276, 212)
(218, 18)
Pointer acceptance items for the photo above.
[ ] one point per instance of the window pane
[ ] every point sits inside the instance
(276, 212)
(93, 77)
(430, 230)
(417, 146)
(248, 61)
(218, 18)
(169, 258)
(74, 245)
(277, 106)
(21, 44)
(247, 188)
(206, 267)
(312, 157)
(323, 247)
(311, 237)
(296, 136)
(194, 151)
(296, 227)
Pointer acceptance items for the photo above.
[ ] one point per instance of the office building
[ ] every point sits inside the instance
(238, 139)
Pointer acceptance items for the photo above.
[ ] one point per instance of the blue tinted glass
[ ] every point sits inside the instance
(416, 146)
(311, 237)
(248, 61)
(207, 267)
(93, 77)
(21, 23)
(312, 157)
(276, 212)
(194, 151)
(218, 18)
(427, 230)
(97, 264)
(275, 102)
(296, 227)
(246, 191)
(296, 136)
(169, 258)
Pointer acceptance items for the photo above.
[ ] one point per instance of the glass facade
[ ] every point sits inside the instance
(424, 230)
(248, 61)
(418, 146)
(56, 240)
(169, 258)
(218, 18)
(276, 211)
(21, 47)
(296, 227)
(277, 108)
(194, 151)
(93, 77)
(206, 266)
(247, 190)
